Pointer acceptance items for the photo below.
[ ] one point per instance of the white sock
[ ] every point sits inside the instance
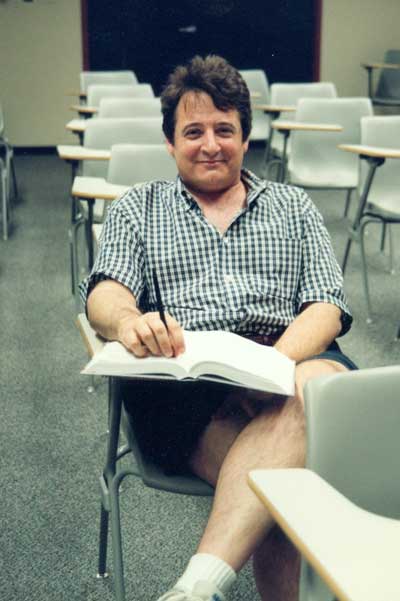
(204, 566)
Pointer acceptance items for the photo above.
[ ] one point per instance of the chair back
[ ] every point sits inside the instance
(257, 82)
(1, 121)
(353, 442)
(288, 94)
(129, 107)
(132, 164)
(388, 87)
(103, 133)
(385, 190)
(315, 161)
(97, 91)
(88, 78)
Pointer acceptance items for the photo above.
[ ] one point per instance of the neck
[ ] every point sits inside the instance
(233, 197)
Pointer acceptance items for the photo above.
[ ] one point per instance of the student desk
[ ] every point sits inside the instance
(90, 189)
(74, 154)
(354, 551)
(273, 110)
(84, 110)
(78, 127)
(286, 127)
(375, 156)
(370, 66)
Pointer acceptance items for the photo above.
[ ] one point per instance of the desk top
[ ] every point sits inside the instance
(81, 153)
(354, 551)
(372, 151)
(84, 109)
(77, 125)
(274, 108)
(302, 126)
(380, 65)
(96, 187)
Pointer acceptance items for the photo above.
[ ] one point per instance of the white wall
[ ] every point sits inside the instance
(352, 32)
(40, 60)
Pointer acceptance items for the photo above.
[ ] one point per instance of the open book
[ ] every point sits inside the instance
(212, 355)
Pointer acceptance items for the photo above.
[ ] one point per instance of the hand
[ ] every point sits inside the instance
(146, 334)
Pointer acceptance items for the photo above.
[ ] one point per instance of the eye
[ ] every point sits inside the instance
(225, 131)
(192, 133)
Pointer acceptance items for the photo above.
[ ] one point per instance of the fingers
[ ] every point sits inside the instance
(147, 335)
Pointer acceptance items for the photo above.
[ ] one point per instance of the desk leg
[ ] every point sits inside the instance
(369, 72)
(374, 162)
(282, 168)
(89, 234)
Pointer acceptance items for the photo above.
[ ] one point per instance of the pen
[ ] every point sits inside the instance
(160, 307)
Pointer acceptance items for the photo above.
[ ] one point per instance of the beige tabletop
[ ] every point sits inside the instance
(354, 551)
(372, 151)
(81, 153)
(274, 108)
(93, 341)
(303, 126)
(84, 109)
(96, 187)
(76, 125)
(380, 65)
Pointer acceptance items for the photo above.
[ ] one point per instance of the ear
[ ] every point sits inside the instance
(246, 145)
(170, 147)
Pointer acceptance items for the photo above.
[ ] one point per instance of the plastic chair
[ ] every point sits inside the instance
(102, 134)
(383, 200)
(113, 475)
(132, 164)
(96, 92)
(129, 107)
(353, 444)
(7, 173)
(288, 94)
(315, 161)
(257, 83)
(88, 78)
(387, 91)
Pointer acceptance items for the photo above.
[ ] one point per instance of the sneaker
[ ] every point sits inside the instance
(203, 591)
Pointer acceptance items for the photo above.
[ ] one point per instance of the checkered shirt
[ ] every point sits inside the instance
(275, 256)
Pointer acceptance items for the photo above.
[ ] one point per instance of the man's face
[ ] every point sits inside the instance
(208, 147)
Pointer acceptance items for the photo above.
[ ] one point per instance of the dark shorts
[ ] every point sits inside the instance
(169, 417)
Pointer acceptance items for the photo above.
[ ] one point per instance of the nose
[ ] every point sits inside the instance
(210, 143)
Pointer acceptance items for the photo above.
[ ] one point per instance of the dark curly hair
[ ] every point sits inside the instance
(214, 76)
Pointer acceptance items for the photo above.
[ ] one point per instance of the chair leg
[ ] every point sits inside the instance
(365, 272)
(348, 201)
(103, 543)
(14, 176)
(391, 250)
(4, 200)
(73, 239)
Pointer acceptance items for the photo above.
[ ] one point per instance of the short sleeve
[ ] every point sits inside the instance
(321, 278)
(120, 255)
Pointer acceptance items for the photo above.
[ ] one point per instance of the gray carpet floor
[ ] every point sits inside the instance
(53, 429)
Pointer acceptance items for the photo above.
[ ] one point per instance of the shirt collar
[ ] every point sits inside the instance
(254, 185)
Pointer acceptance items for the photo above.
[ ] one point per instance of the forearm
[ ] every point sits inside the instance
(311, 332)
(109, 305)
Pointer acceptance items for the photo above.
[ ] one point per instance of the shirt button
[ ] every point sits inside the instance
(228, 278)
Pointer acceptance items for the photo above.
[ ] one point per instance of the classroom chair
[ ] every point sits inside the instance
(343, 511)
(96, 92)
(113, 475)
(257, 82)
(387, 91)
(88, 78)
(315, 160)
(7, 174)
(288, 94)
(382, 204)
(129, 107)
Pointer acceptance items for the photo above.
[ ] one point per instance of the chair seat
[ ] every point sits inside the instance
(318, 179)
(388, 209)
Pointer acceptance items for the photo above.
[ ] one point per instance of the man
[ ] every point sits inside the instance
(231, 252)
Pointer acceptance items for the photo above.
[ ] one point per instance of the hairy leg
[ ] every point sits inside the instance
(239, 525)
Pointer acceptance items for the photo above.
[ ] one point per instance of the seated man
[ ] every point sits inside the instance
(232, 252)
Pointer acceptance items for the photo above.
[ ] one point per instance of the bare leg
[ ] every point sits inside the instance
(238, 522)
